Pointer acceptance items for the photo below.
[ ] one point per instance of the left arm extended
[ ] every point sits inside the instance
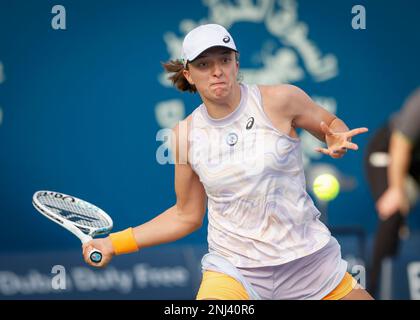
(306, 114)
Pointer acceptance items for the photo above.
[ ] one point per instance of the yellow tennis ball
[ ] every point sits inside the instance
(326, 187)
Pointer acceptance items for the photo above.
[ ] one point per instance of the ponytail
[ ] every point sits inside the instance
(175, 69)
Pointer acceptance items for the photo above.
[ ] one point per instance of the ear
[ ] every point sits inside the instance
(187, 76)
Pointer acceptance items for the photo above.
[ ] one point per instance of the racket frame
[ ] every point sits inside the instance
(74, 227)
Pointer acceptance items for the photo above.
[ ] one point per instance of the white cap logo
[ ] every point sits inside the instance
(226, 39)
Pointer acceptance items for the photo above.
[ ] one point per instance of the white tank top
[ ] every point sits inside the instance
(258, 209)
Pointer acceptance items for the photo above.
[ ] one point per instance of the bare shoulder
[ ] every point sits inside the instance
(179, 141)
(281, 93)
(277, 98)
(183, 124)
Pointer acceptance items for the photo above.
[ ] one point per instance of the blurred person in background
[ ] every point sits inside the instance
(392, 165)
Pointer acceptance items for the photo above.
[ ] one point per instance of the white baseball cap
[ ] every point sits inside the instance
(204, 37)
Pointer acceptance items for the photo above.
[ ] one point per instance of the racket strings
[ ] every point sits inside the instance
(76, 212)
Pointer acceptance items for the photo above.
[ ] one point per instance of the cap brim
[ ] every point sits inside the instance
(195, 56)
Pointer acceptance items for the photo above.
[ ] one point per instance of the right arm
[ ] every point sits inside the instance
(183, 218)
(187, 215)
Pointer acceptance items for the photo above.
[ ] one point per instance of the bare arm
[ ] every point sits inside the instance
(400, 154)
(394, 199)
(186, 216)
(183, 218)
(405, 132)
(306, 114)
(292, 108)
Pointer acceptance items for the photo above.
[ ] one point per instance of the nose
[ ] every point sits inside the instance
(217, 70)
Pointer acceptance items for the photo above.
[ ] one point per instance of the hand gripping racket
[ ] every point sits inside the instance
(79, 217)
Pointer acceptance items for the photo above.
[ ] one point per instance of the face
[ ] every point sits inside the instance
(214, 73)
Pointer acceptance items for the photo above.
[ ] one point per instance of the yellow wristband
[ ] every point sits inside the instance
(124, 241)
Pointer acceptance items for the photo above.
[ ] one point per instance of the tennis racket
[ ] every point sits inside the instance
(81, 218)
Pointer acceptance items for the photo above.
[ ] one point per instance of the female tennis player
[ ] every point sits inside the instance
(239, 154)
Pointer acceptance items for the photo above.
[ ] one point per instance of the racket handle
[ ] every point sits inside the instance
(95, 256)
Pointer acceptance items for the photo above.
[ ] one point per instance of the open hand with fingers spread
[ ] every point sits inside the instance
(339, 142)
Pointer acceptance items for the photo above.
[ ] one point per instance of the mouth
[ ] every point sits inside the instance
(218, 84)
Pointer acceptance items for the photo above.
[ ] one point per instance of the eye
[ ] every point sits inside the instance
(226, 59)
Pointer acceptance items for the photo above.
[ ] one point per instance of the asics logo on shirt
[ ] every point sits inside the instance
(249, 123)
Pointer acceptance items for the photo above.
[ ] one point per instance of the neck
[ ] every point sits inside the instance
(220, 109)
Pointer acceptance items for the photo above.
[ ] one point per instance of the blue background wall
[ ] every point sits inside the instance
(78, 105)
